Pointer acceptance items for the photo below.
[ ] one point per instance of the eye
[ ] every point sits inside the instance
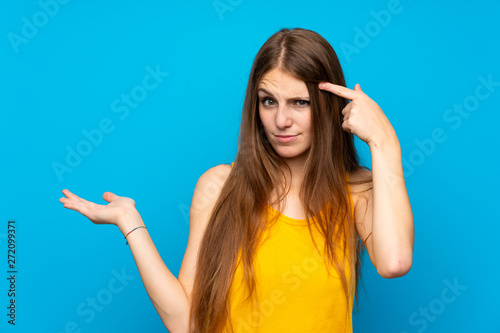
(266, 101)
(302, 103)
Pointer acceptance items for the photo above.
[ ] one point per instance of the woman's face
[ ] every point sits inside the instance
(285, 112)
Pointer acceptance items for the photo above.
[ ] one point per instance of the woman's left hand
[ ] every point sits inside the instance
(362, 116)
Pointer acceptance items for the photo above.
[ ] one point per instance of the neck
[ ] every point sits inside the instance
(297, 173)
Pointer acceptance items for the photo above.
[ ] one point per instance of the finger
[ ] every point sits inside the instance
(66, 202)
(89, 203)
(346, 127)
(108, 196)
(76, 206)
(74, 197)
(69, 194)
(339, 90)
(357, 87)
(347, 109)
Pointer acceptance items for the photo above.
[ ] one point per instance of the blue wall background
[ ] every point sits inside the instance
(66, 66)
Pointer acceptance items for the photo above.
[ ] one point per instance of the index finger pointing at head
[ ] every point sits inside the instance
(339, 90)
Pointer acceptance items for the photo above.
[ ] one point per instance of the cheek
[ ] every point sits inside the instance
(307, 123)
(265, 120)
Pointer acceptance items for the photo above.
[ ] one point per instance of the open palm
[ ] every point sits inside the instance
(111, 213)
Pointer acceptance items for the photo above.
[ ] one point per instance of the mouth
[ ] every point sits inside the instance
(286, 138)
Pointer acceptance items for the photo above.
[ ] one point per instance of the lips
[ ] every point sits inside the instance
(286, 138)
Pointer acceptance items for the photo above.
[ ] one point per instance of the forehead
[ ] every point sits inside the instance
(281, 83)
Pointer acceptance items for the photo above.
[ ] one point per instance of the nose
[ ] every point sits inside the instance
(283, 117)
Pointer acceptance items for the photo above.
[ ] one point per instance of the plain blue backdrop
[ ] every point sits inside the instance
(67, 67)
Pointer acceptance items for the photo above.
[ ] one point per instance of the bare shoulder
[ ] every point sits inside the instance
(206, 193)
(215, 176)
(205, 196)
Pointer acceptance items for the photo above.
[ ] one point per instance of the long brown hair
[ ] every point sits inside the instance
(238, 217)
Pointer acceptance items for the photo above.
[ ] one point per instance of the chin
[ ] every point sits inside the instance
(291, 153)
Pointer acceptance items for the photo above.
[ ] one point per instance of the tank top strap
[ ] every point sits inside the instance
(232, 163)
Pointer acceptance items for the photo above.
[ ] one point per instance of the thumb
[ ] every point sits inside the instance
(108, 196)
(357, 87)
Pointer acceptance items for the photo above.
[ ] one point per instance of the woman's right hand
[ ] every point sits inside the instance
(115, 212)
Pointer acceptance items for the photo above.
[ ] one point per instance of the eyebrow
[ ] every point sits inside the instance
(290, 99)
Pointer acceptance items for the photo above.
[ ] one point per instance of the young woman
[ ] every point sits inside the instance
(276, 238)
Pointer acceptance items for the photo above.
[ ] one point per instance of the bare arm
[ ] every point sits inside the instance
(165, 291)
(169, 295)
(205, 196)
(384, 213)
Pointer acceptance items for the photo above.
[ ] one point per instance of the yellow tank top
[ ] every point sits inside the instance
(295, 292)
